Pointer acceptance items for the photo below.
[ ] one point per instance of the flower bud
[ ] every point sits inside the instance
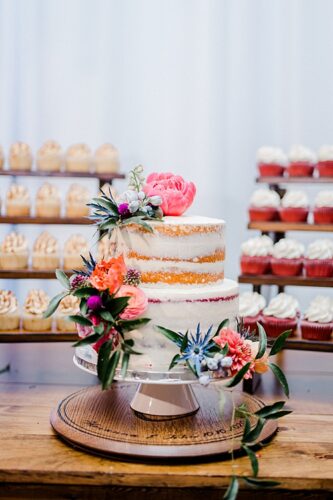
(155, 200)
(133, 206)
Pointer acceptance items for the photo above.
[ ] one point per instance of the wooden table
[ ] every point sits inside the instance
(34, 463)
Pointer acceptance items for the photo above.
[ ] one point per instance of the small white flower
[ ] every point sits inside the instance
(155, 200)
(133, 206)
(141, 195)
(212, 364)
(204, 380)
(226, 362)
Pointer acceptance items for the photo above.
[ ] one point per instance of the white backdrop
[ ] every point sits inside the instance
(193, 86)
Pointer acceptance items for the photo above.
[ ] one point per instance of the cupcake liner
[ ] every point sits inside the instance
(275, 326)
(255, 265)
(293, 214)
(300, 169)
(325, 168)
(323, 215)
(286, 267)
(262, 214)
(318, 268)
(271, 170)
(250, 323)
(311, 330)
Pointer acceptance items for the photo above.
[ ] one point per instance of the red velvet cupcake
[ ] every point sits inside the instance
(317, 323)
(251, 305)
(300, 169)
(318, 262)
(271, 161)
(280, 315)
(325, 161)
(264, 205)
(255, 257)
(323, 210)
(301, 162)
(287, 258)
(294, 207)
(311, 330)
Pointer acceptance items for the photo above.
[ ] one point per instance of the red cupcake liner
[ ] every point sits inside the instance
(323, 215)
(293, 214)
(300, 169)
(262, 214)
(318, 268)
(271, 169)
(325, 168)
(311, 330)
(275, 326)
(250, 323)
(254, 265)
(286, 267)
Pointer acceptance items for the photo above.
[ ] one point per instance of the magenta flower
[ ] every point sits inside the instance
(123, 210)
(94, 302)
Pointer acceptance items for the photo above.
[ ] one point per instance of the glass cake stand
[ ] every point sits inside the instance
(159, 396)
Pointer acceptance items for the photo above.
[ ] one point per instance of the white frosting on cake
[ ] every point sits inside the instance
(282, 306)
(272, 155)
(287, 248)
(259, 246)
(265, 198)
(251, 304)
(320, 249)
(319, 311)
(301, 153)
(324, 199)
(325, 153)
(295, 199)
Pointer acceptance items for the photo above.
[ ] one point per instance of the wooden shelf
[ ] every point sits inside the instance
(283, 227)
(37, 274)
(270, 279)
(299, 344)
(5, 219)
(18, 336)
(40, 173)
(295, 180)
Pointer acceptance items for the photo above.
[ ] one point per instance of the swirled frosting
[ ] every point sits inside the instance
(260, 246)
(325, 153)
(18, 192)
(69, 305)
(8, 302)
(324, 199)
(19, 149)
(48, 192)
(251, 303)
(36, 302)
(268, 154)
(79, 150)
(49, 148)
(78, 193)
(106, 151)
(319, 249)
(46, 244)
(319, 311)
(265, 198)
(282, 306)
(287, 248)
(14, 243)
(324, 299)
(301, 153)
(295, 199)
(76, 244)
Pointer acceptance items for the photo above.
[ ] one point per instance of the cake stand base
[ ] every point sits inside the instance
(103, 422)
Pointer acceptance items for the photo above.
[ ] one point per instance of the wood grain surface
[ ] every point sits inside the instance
(41, 173)
(295, 180)
(270, 279)
(283, 227)
(5, 219)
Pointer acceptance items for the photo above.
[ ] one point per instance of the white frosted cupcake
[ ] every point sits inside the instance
(294, 207)
(317, 323)
(264, 204)
(251, 305)
(318, 262)
(301, 162)
(14, 253)
(34, 308)
(20, 156)
(325, 161)
(76, 201)
(78, 158)
(18, 201)
(280, 315)
(323, 209)
(48, 202)
(287, 257)
(9, 311)
(256, 252)
(69, 306)
(106, 159)
(45, 252)
(271, 161)
(75, 246)
(49, 157)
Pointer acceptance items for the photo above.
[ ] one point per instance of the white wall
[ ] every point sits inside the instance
(193, 86)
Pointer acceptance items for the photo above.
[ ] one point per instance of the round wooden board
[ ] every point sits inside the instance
(102, 422)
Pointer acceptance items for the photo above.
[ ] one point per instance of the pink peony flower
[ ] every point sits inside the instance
(137, 304)
(177, 194)
(239, 350)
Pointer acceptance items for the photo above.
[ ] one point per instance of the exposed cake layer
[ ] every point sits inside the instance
(180, 251)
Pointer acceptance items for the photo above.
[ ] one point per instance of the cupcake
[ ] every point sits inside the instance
(294, 207)
(318, 262)
(78, 158)
(17, 201)
(20, 156)
(287, 257)
(271, 161)
(76, 201)
(251, 305)
(325, 161)
(255, 258)
(323, 209)
(48, 201)
(49, 157)
(317, 323)
(35, 306)
(280, 315)
(45, 252)
(75, 246)
(106, 159)
(264, 204)
(2, 159)
(14, 252)
(9, 312)
(301, 162)
(69, 306)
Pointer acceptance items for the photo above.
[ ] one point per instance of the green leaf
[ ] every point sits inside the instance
(90, 339)
(239, 376)
(110, 370)
(232, 491)
(262, 341)
(139, 221)
(184, 342)
(81, 320)
(253, 459)
(128, 349)
(260, 483)
(225, 349)
(5, 369)
(174, 361)
(117, 305)
(124, 364)
(107, 316)
(247, 429)
(54, 303)
(63, 278)
(279, 342)
(107, 225)
(253, 435)
(278, 414)
(130, 325)
(85, 291)
(193, 370)
(99, 328)
(241, 410)
(281, 377)
(268, 409)
(83, 307)
(221, 325)
(103, 358)
(169, 334)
